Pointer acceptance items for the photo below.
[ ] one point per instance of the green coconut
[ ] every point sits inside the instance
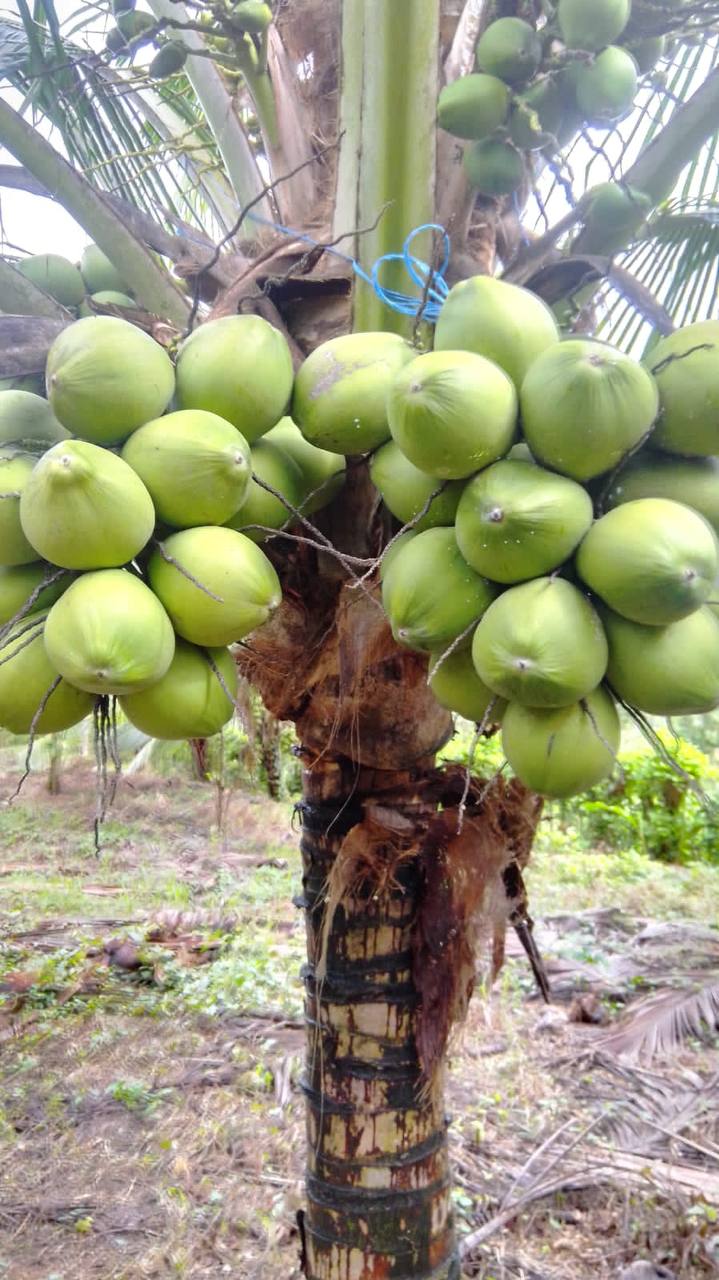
(429, 592)
(494, 167)
(323, 472)
(27, 419)
(536, 115)
(253, 16)
(406, 490)
(653, 560)
(168, 61)
(510, 49)
(195, 466)
(615, 213)
(239, 367)
(189, 701)
(452, 412)
(605, 89)
(541, 644)
(685, 366)
(105, 298)
(341, 390)
(245, 588)
(585, 405)
(269, 463)
(665, 671)
(473, 106)
(501, 321)
(517, 521)
(15, 471)
(108, 633)
(647, 52)
(562, 751)
(26, 676)
(456, 686)
(84, 508)
(99, 273)
(20, 582)
(592, 24)
(105, 377)
(56, 276)
(693, 481)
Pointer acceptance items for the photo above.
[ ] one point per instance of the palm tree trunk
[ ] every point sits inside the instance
(378, 1181)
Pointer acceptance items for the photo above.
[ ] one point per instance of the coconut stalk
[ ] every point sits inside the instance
(387, 159)
(150, 283)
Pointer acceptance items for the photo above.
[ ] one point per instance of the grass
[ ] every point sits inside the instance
(146, 1124)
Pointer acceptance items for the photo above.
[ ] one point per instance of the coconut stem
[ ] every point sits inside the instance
(31, 736)
(31, 600)
(30, 639)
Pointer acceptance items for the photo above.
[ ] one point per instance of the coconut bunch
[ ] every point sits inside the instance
(562, 504)
(533, 89)
(84, 287)
(124, 568)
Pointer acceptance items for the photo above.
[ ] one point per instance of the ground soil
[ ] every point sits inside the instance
(151, 1122)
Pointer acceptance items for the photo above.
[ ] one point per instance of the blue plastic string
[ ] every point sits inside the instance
(433, 295)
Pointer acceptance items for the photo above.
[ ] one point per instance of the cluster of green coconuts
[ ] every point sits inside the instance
(79, 287)
(225, 25)
(130, 522)
(565, 554)
(562, 502)
(534, 89)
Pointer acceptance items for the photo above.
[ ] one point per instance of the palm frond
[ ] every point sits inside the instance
(659, 1024)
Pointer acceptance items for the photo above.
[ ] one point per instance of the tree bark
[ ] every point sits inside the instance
(378, 1181)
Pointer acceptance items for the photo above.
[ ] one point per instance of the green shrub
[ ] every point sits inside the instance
(651, 807)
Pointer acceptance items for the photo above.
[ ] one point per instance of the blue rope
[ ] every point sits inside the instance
(430, 280)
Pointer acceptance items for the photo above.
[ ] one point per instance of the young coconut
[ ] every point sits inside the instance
(665, 671)
(238, 367)
(27, 419)
(19, 583)
(57, 276)
(510, 49)
(245, 590)
(473, 106)
(692, 481)
(105, 298)
(541, 644)
(15, 471)
(195, 466)
(105, 377)
(562, 751)
(26, 678)
(585, 405)
(84, 508)
(517, 521)
(592, 24)
(270, 464)
(456, 686)
(323, 472)
(189, 701)
(452, 412)
(406, 490)
(99, 273)
(430, 594)
(494, 167)
(653, 561)
(605, 90)
(340, 393)
(501, 321)
(108, 633)
(686, 370)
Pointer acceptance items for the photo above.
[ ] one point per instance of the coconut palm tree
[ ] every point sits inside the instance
(271, 172)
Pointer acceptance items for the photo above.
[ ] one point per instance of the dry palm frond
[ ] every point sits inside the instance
(658, 1024)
